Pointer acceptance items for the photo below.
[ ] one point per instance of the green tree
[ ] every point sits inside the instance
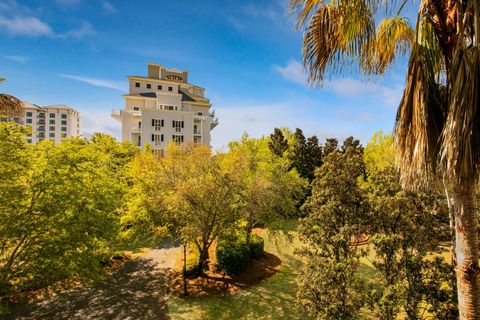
(58, 212)
(436, 124)
(278, 144)
(330, 287)
(186, 191)
(270, 189)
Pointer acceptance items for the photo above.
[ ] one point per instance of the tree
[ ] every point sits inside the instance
(278, 144)
(187, 192)
(335, 214)
(59, 210)
(270, 189)
(437, 120)
(306, 155)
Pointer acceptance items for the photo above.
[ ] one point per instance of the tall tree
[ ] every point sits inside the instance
(437, 124)
(306, 155)
(329, 285)
(278, 144)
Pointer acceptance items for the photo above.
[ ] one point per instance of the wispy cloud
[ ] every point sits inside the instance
(20, 59)
(25, 26)
(109, 8)
(347, 87)
(84, 30)
(116, 85)
(100, 121)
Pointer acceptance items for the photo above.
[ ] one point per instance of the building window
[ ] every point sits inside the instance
(29, 120)
(64, 122)
(64, 129)
(29, 140)
(51, 128)
(63, 135)
(40, 128)
(51, 135)
(200, 113)
(52, 115)
(170, 88)
(41, 115)
(178, 139)
(159, 87)
(136, 108)
(170, 108)
(178, 125)
(157, 124)
(137, 84)
(29, 114)
(51, 122)
(157, 139)
(64, 116)
(149, 86)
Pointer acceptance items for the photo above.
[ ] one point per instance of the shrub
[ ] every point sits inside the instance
(193, 257)
(232, 256)
(257, 245)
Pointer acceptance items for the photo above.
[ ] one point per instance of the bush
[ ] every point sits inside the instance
(257, 245)
(193, 257)
(232, 256)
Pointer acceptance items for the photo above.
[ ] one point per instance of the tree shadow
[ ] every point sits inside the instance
(136, 291)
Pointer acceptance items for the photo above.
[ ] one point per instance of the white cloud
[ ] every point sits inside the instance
(117, 85)
(109, 8)
(84, 30)
(20, 59)
(26, 26)
(99, 121)
(293, 72)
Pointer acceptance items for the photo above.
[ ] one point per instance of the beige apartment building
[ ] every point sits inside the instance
(55, 122)
(165, 107)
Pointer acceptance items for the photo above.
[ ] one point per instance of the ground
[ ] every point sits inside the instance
(136, 291)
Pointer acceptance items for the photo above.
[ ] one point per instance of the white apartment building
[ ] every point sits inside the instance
(165, 107)
(55, 122)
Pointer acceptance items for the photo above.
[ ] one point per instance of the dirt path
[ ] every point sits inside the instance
(136, 291)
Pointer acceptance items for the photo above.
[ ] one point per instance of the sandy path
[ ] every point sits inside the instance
(136, 291)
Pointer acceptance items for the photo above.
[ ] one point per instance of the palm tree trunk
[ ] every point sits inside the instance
(466, 250)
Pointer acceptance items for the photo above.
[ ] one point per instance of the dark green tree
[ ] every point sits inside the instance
(330, 287)
(278, 144)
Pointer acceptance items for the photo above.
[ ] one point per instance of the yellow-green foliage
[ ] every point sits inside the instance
(379, 152)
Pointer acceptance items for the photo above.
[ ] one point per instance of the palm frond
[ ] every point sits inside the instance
(10, 106)
(461, 135)
(419, 122)
(334, 37)
(394, 37)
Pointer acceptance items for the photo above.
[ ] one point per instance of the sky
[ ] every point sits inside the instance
(246, 54)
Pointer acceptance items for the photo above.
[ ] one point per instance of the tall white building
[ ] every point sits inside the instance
(55, 122)
(165, 107)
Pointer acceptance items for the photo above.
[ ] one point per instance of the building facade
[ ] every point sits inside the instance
(55, 122)
(165, 107)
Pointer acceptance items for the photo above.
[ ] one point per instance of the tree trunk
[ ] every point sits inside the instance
(466, 250)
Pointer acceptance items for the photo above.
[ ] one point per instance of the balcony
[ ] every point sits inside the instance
(197, 132)
(136, 130)
(117, 116)
(214, 122)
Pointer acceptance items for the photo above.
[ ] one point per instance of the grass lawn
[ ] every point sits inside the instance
(273, 298)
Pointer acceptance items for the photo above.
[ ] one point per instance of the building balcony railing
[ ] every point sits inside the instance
(137, 130)
(197, 132)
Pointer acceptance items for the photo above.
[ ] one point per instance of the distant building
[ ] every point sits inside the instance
(165, 107)
(55, 122)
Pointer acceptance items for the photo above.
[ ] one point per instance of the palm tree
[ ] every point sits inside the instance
(437, 128)
(9, 105)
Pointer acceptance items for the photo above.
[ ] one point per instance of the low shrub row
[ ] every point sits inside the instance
(234, 254)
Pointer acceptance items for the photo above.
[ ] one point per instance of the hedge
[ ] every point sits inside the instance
(232, 256)
(257, 245)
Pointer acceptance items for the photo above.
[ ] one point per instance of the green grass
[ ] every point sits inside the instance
(273, 298)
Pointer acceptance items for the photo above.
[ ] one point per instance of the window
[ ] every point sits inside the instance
(169, 107)
(64, 116)
(51, 128)
(64, 129)
(178, 125)
(149, 86)
(41, 115)
(63, 135)
(137, 84)
(52, 115)
(177, 139)
(157, 124)
(29, 114)
(200, 113)
(29, 120)
(170, 88)
(159, 87)
(157, 139)
(136, 108)
(51, 122)
(51, 135)
(64, 122)
(41, 121)
(40, 128)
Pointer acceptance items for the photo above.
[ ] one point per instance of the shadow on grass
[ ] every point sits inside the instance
(136, 291)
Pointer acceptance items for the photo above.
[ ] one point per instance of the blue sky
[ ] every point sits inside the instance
(245, 53)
